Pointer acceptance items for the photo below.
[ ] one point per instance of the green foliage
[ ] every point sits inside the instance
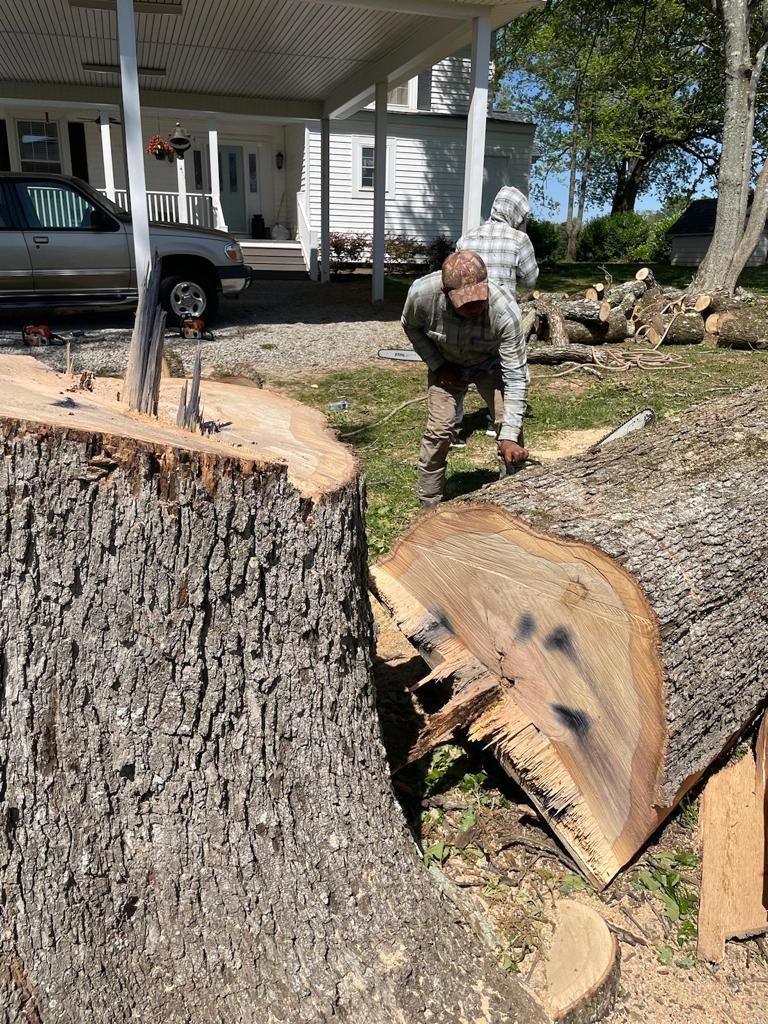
(662, 879)
(547, 238)
(622, 236)
(442, 770)
(438, 250)
(569, 884)
(437, 853)
(401, 252)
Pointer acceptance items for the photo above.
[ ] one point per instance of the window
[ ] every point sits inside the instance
(364, 163)
(253, 175)
(39, 146)
(232, 163)
(366, 166)
(197, 164)
(404, 95)
(50, 206)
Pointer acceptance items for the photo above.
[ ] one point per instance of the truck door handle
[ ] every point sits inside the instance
(40, 239)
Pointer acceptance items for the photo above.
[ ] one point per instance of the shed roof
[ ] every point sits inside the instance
(287, 58)
(698, 219)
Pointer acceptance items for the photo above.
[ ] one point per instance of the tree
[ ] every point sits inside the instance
(738, 225)
(198, 822)
(618, 89)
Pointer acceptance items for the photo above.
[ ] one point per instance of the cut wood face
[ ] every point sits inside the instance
(572, 646)
(583, 966)
(259, 426)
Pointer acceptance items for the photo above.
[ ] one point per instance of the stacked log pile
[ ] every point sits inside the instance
(641, 310)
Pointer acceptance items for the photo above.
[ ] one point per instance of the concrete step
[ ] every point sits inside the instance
(274, 256)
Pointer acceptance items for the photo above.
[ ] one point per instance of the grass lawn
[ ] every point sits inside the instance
(389, 453)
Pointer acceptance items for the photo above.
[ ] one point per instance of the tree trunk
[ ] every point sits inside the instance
(616, 329)
(726, 256)
(600, 621)
(629, 176)
(199, 825)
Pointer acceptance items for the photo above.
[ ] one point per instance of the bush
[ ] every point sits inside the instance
(401, 252)
(548, 239)
(438, 250)
(347, 250)
(619, 236)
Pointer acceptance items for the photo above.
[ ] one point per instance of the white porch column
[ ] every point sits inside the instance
(181, 183)
(478, 108)
(379, 191)
(325, 200)
(213, 160)
(106, 154)
(134, 143)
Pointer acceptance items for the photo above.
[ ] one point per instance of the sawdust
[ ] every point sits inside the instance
(567, 442)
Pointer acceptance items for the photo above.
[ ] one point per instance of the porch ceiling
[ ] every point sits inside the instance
(291, 58)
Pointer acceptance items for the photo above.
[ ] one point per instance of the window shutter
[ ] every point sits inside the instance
(424, 90)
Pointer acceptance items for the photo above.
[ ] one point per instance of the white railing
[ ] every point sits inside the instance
(307, 237)
(164, 207)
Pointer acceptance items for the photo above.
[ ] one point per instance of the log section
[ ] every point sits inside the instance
(198, 824)
(604, 617)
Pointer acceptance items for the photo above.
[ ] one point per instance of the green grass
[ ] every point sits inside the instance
(389, 453)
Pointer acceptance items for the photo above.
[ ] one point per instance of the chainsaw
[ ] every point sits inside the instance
(36, 335)
(193, 329)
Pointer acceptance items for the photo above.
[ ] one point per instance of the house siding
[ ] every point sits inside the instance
(427, 194)
(690, 250)
(450, 85)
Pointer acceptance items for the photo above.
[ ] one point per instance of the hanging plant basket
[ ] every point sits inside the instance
(160, 149)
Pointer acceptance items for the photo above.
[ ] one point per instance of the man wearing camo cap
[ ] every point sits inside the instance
(503, 244)
(467, 332)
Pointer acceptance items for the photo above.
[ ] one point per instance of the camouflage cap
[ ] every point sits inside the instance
(465, 278)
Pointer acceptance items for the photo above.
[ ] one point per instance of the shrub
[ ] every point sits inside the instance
(618, 236)
(347, 249)
(401, 252)
(547, 238)
(438, 250)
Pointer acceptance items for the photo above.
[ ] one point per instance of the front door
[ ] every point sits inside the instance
(232, 186)
(75, 246)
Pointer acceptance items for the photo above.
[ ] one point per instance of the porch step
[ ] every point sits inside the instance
(274, 257)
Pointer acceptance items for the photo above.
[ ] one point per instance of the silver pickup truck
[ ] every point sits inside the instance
(63, 244)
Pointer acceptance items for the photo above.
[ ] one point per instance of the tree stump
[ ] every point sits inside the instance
(198, 820)
(599, 623)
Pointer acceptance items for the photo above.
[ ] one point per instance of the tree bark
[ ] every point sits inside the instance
(629, 178)
(198, 820)
(616, 329)
(745, 328)
(600, 621)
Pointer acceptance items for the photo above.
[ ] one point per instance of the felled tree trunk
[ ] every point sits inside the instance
(616, 329)
(198, 821)
(600, 622)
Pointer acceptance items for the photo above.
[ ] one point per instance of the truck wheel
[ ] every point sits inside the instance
(189, 296)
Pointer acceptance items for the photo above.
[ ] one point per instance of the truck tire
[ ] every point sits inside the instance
(189, 295)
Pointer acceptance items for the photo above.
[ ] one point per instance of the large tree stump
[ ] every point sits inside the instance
(198, 820)
(600, 622)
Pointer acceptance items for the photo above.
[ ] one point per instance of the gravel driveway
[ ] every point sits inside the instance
(276, 328)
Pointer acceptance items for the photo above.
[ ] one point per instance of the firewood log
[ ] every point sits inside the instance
(616, 329)
(744, 328)
(682, 328)
(599, 622)
(550, 355)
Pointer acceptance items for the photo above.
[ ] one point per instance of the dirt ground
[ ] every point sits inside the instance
(488, 840)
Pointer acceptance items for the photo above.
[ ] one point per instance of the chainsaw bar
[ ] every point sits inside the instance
(642, 419)
(402, 354)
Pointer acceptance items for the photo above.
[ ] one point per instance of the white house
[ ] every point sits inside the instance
(264, 166)
(265, 90)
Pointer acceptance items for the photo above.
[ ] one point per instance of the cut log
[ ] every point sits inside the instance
(734, 880)
(583, 310)
(550, 355)
(702, 302)
(712, 323)
(616, 329)
(602, 619)
(582, 973)
(555, 325)
(197, 818)
(682, 328)
(592, 295)
(645, 274)
(744, 328)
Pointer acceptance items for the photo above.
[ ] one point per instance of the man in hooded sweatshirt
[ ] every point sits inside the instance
(502, 243)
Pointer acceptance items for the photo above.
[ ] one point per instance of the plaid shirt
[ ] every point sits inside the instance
(440, 336)
(506, 252)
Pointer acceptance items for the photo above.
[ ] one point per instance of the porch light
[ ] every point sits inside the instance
(279, 161)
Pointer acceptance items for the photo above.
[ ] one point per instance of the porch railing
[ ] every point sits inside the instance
(307, 237)
(164, 207)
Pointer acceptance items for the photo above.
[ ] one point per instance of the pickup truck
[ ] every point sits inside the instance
(63, 244)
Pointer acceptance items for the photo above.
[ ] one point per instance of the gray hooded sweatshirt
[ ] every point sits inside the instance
(507, 251)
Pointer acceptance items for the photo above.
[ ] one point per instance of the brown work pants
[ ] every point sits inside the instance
(441, 414)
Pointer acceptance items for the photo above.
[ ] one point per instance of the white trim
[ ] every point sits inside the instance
(213, 164)
(361, 142)
(105, 131)
(476, 124)
(325, 199)
(380, 176)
